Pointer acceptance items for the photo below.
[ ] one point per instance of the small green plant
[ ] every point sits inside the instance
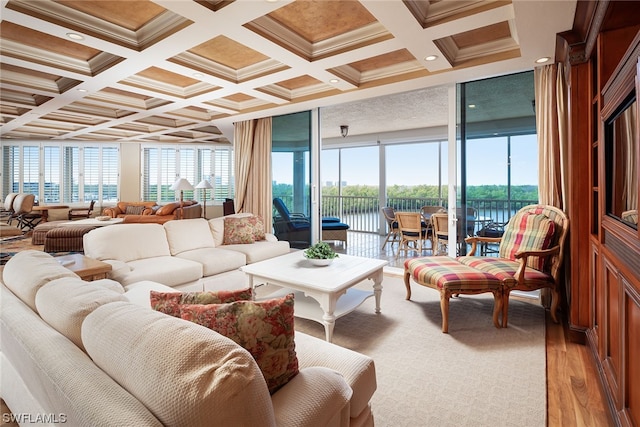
(320, 250)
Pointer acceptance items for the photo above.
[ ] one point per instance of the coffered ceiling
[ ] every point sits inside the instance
(181, 71)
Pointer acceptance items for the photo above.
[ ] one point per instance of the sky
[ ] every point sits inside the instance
(417, 163)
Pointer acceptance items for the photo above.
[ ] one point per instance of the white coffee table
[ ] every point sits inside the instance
(323, 294)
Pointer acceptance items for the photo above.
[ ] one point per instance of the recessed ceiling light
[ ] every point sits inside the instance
(75, 36)
(82, 90)
(197, 75)
(431, 58)
(542, 60)
(472, 105)
(334, 81)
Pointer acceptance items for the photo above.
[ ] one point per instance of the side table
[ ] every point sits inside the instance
(87, 268)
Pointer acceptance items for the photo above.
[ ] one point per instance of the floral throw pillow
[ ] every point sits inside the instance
(238, 231)
(264, 328)
(258, 227)
(170, 302)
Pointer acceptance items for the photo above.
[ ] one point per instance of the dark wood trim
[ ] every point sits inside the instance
(576, 45)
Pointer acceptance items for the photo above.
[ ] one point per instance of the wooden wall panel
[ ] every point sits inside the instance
(611, 362)
(632, 355)
(598, 303)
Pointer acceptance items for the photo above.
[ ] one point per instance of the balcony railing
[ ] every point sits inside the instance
(364, 213)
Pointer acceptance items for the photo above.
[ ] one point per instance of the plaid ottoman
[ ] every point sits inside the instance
(67, 238)
(451, 277)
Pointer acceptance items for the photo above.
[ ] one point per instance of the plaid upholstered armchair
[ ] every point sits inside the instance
(530, 254)
(530, 257)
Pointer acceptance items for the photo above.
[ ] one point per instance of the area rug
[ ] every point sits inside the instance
(12, 245)
(476, 375)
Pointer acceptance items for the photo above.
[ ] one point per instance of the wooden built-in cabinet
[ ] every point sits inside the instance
(601, 55)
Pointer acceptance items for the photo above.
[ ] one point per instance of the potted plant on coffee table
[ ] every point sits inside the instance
(320, 254)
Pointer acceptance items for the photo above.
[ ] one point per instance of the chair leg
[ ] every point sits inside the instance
(391, 238)
(444, 309)
(403, 246)
(497, 308)
(505, 306)
(407, 283)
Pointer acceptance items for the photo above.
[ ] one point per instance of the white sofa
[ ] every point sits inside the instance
(187, 254)
(96, 354)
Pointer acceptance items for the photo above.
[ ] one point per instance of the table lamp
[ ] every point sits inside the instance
(204, 184)
(182, 185)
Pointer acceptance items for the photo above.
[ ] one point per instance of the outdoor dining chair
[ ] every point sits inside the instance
(426, 212)
(412, 232)
(392, 224)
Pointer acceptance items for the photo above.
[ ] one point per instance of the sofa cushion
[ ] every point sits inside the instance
(217, 226)
(326, 403)
(261, 250)
(238, 231)
(126, 242)
(183, 373)
(170, 302)
(168, 209)
(138, 292)
(64, 303)
(188, 234)
(109, 284)
(527, 232)
(215, 260)
(55, 373)
(168, 270)
(27, 271)
(264, 328)
(356, 368)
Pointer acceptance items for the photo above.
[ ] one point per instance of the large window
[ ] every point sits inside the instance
(498, 145)
(414, 176)
(162, 165)
(61, 173)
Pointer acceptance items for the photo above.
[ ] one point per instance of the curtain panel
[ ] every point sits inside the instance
(551, 127)
(252, 151)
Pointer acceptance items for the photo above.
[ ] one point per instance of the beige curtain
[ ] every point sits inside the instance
(252, 154)
(551, 124)
(627, 145)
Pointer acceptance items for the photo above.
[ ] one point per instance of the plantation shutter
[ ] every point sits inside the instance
(167, 174)
(10, 168)
(109, 174)
(149, 174)
(31, 169)
(51, 173)
(91, 174)
(222, 177)
(70, 168)
(188, 169)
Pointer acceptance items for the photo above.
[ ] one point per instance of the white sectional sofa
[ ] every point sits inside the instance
(96, 354)
(187, 254)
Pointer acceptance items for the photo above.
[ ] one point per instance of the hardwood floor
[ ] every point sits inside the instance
(574, 392)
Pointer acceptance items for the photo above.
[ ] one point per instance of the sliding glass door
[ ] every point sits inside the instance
(498, 150)
(291, 177)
